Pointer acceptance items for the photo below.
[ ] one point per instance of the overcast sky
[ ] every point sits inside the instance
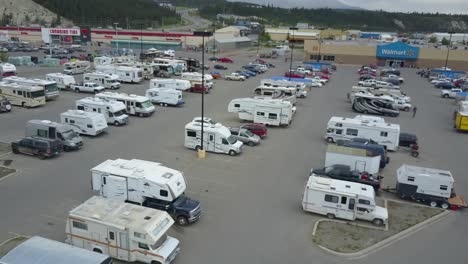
(441, 6)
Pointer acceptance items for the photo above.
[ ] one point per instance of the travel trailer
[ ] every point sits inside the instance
(358, 159)
(50, 87)
(147, 69)
(63, 81)
(181, 85)
(85, 123)
(7, 70)
(216, 138)
(197, 78)
(300, 87)
(385, 134)
(126, 74)
(283, 93)
(48, 129)
(23, 95)
(77, 67)
(136, 104)
(342, 199)
(121, 230)
(106, 80)
(165, 96)
(113, 111)
(273, 112)
(148, 184)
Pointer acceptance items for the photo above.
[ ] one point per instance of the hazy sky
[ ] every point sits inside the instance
(441, 6)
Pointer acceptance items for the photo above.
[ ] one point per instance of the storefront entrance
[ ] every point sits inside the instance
(395, 63)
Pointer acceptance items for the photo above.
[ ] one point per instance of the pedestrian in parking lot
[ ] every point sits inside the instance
(415, 109)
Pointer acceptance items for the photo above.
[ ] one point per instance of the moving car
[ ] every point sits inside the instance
(35, 146)
(245, 136)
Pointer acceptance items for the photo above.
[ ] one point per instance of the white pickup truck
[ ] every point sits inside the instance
(393, 76)
(235, 77)
(452, 93)
(87, 87)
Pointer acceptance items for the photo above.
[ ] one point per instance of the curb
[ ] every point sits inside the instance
(384, 243)
(9, 175)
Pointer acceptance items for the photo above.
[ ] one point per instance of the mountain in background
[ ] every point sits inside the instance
(333, 4)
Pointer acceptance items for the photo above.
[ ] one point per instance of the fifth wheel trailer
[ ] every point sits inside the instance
(273, 112)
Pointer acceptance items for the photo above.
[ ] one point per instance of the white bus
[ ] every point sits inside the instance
(23, 95)
(50, 87)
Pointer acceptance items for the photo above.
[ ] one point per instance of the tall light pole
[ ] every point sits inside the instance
(203, 34)
(448, 49)
(214, 40)
(292, 50)
(116, 40)
(141, 39)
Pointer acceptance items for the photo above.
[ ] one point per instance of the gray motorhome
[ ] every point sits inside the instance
(48, 129)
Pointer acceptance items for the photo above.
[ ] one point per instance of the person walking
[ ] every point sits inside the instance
(415, 109)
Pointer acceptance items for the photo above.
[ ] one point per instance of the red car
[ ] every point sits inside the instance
(256, 128)
(225, 60)
(293, 74)
(198, 88)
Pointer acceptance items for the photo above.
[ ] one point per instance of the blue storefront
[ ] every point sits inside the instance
(397, 54)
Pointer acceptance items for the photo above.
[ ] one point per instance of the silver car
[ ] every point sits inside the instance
(245, 136)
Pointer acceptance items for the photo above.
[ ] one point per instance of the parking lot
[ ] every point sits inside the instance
(251, 203)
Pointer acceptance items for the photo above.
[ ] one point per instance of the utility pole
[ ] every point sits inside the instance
(448, 49)
(292, 49)
(116, 40)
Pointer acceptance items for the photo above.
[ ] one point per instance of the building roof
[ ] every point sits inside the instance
(229, 29)
(233, 39)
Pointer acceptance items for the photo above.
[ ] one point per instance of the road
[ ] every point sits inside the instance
(193, 22)
(252, 210)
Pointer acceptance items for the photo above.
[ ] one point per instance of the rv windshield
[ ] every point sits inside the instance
(119, 113)
(231, 140)
(37, 94)
(159, 243)
(146, 104)
(51, 87)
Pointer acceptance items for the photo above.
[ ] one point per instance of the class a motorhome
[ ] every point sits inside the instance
(85, 123)
(53, 130)
(273, 112)
(135, 104)
(381, 91)
(357, 159)
(126, 74)
(77, 67)
(106, 80)
(50, 87)
(300, 87)
(283, 93)
(165, 97)
(7, 70)
(181, 85)
(177, 65)
(342, 128)
(63, 80)
(342, 199)
(113, 111)
(216, 138)
(23, 95)
(122, 230)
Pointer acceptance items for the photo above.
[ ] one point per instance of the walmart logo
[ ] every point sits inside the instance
(408, 53)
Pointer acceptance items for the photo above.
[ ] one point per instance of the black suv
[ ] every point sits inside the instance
(34, 146)
(183, 209)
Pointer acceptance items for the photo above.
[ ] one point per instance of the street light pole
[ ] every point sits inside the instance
(141, 39)
(448, 49)
(116, 41)
(292, 50)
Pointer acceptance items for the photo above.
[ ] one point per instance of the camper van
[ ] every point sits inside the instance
(300, 87)
(146, 183)
(113, 111)
(85, 123)
(197, 77)
(181, 85)
(385, 134)
(77, 67)
(48, 129)
(342, 199)
(121, 230)
(107, 80)
(63, 80)
(216, 138)
(126, 74)
(50, 87)
(136, 104)
(273, 112)
(165, 97)
(7, 70)
(23, 95)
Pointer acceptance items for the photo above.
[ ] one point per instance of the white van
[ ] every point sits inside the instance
(77, 67)
(113, 111)
(181, 85)
(216, 138)
(165, 97)
(86, 123)
(63, 80)
(107, 80)
(136, 104)
(126, 74)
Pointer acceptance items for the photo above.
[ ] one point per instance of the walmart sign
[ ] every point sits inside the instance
(397, 50)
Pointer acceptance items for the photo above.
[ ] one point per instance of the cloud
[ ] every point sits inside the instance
(445, 6)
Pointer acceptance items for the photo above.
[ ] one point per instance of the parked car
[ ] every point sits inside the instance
(345, 173)
(225, 60)
(256, 128)
(35, 146)
(366, 77)
(220, 67)
(213, 59)
(216, 75)
(252, 68)
(452, 93)
(235, 77)
(294, 74)
(246, 75)
(245, 136)
(445, 85)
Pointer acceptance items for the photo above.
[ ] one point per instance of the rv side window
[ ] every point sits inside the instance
(362, 201)
(351, 204)
(383, 134)
(163, 193)
(42, 133)
(111, 235)
(143, 246)
(236, 105)
(80, 107)
(443, 187)
(71, 121)
(211, 137)
(351, 132)
(89, 126)
(139, 235)
(191, 134)
(80, 225)
(410, 178)
(272, 116)
(339, 131)
(344, 199)
(339, 125)
(260, 113)
(331, 198)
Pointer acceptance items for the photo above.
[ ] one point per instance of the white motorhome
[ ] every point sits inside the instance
(181, 85)
(197, 77)
(48, 129)
(107, 80)
(342, 199)
(147, 69)
(63, 80)
(77, 67)
(7, 70)
(357, 159)
(121, 230)
(381, 91)
(178, 65)
(23, 95)
(85, 123)
(126, 74)
(136, 104)
(216, 138)
(113, 111)
(273, 112)
(300, 87)
(284, 93)
(165, 97)
(50, 87)
(347, 128)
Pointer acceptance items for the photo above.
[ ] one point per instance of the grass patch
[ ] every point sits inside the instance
(350, 238)
(4, 171)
